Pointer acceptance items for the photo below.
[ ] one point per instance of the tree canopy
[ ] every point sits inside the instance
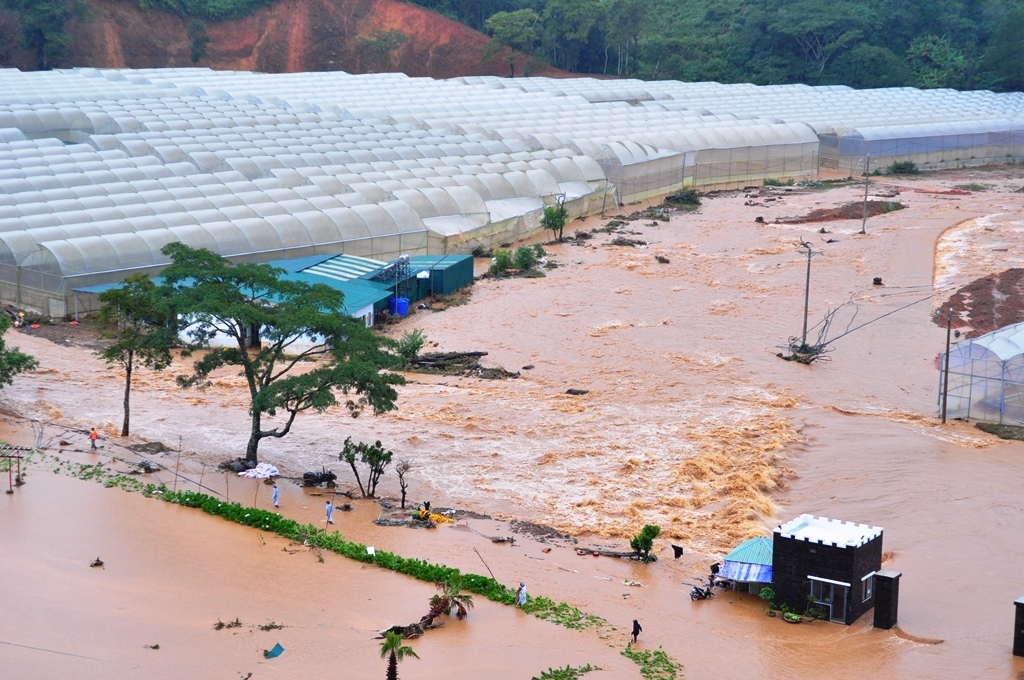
(862, 43)
(293, 342)
(130, 317)
(12, 361)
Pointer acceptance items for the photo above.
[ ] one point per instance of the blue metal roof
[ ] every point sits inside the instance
(752, 551)
(345, 268)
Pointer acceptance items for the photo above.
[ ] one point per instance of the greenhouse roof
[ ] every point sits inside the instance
(99, 169)
(1006, 342)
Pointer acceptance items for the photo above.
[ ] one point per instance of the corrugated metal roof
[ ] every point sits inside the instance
(435, 261)
(358, 293)
(753, 551)
(345, 267)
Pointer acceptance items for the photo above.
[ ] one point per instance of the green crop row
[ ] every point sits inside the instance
(562, 613)
(654, 665)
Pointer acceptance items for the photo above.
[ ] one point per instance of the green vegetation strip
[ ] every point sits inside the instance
(654, 664)
(562, 613)
(567, 673)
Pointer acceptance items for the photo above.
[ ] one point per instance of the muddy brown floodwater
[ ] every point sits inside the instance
(691, 422)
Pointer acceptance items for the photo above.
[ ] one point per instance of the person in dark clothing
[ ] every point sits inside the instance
(636, 630)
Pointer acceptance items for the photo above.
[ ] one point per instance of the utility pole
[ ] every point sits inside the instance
(867, 175)
(807, 288)
(945, 371)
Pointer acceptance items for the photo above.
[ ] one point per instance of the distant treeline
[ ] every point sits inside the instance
(965, 44)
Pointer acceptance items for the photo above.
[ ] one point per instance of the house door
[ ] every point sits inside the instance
(831, 596)
(839, 595)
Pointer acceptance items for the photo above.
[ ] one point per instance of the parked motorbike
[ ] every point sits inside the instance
(699, 593)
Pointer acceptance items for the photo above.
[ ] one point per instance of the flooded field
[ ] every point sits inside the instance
(690, 421)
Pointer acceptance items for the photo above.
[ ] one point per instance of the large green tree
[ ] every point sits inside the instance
(129, 317)
(937, 62)
(294, 343)
(1004, 56)
(822, 30)
(12, 361)
(568, 28)
(43, 27)
(511, 32)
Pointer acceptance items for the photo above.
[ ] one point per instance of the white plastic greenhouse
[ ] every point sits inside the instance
(986, 377)
(100, 169)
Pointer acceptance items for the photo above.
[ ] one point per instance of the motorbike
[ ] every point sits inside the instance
(699, 593)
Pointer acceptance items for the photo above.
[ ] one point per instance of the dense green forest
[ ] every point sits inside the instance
(965, 44)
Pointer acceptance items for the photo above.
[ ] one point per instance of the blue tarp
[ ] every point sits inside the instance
(750, 561)
(745, 572)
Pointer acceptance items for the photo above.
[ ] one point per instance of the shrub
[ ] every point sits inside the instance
(502, 262)
(411, 343)
(770, 182)
(524, 258)
(903, 168)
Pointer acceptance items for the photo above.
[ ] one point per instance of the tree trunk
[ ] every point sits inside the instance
(252, 449)
(127, 394)
(392, 667)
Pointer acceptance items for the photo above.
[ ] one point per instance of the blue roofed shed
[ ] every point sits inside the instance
(749, 562)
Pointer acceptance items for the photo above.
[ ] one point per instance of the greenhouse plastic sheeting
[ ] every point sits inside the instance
(986, 377)
(100, 168)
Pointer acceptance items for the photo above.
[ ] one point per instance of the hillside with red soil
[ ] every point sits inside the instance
(290, 36)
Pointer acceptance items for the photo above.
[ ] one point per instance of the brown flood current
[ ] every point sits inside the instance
(690, 422)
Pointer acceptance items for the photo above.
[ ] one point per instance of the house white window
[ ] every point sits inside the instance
(867, 587)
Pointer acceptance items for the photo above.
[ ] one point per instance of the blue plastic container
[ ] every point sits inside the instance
(398, 306)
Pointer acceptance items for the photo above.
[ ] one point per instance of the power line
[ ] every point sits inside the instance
(53, 651)
(899, 309)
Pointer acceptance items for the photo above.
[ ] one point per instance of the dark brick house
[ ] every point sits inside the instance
(833, 561)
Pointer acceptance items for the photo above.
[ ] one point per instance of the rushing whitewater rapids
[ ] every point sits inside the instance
(691, 422)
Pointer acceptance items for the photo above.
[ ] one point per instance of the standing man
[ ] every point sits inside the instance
(330, 513)
(636, 630)
(521, 594)
(277, 496)
(93, 436)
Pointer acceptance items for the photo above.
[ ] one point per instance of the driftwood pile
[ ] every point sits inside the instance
(626, 554)
(459, 363)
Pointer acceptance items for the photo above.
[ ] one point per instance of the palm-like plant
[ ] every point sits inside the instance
(450, 595)
(394, 651)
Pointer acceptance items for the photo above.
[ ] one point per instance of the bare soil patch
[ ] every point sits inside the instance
(986, 304)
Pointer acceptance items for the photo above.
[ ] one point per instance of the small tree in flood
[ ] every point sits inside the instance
(374, 456)
(129, 315)
(449, 596)
(554, 219)
(274, 326)
(401, 469)
(394, 651)
(643, 542)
